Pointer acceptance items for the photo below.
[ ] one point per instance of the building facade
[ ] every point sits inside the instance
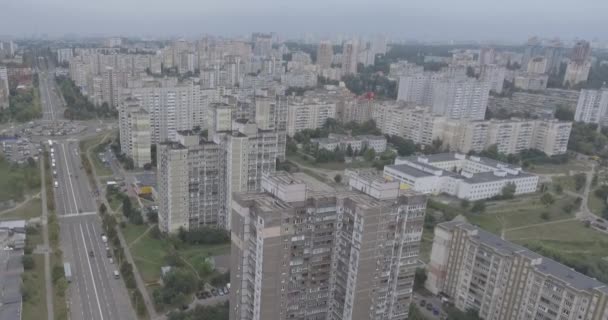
(135, 132)
(591, 106)
(498, 279)
(301, 253)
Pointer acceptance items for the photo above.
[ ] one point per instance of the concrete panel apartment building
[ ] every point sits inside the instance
(499, 280)
(304, 252)
(135, 132)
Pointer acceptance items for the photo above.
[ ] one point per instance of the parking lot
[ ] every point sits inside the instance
(18, 150)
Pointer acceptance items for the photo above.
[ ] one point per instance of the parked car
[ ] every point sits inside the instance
(422, 303)
(91, 254)
(429, 307)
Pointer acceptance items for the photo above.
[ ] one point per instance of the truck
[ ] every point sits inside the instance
(67, 270)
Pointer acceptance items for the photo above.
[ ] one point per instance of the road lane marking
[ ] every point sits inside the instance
(91, 271)
(80, 277)
(68, 215)
(103, 270)
(67, 167)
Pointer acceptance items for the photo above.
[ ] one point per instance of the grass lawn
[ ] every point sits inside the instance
(595, 204)
(519, 212)
(149, 253)
(131, 231)
(115, 200)
(31, 209)
(567, 182)
(34, 307)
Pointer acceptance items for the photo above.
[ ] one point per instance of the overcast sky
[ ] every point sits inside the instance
(511, 20)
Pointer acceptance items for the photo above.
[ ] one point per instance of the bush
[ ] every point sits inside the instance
(28, 262)
(204, 235)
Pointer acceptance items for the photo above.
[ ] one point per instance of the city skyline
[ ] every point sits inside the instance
(441, 20)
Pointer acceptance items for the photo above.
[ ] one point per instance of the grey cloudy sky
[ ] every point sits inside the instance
(411, 19)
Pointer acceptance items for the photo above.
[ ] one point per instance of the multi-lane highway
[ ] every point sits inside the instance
(94, 292)
(52, 105)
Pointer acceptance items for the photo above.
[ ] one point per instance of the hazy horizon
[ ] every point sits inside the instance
(431, 20)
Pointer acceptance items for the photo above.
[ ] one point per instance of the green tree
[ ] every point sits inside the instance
(559, 189)
(564, 113)
(464, 203)
(508, 191)
(338, 178)
(28, 262)
(370, 154)
(547, 199)
(419, 278)
(349, 150)
(479, 206)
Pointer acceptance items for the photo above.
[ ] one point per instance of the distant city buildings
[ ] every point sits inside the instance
(465, 177)
(4, 88)
(325, 54)
(517, 283)
(350, 57)
(301, 249)
(579, 65)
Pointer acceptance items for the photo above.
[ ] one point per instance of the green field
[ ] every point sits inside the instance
(149, 253)
(34, 306)
(595, 204)
(31, 209)
(567, 182)
(521, 211)
(572, 165)
(17, 181)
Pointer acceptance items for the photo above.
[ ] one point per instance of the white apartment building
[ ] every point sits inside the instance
(537, 65)
(498, 279)
(465, 177)
(591, 106)
(325, 53)
(341, 141)
(412, 122)
(509, 136)
(64, 55)
(577, 72)
(4, 88)
(403, 68)
(417, 88)
(531, 81)
(350, 57)
(303, 113)
(303, 250)
(135, 132)
(461, 98)
(172, 106)
(495, 75)
(191, 183)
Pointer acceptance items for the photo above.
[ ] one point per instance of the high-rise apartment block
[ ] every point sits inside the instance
(350, 57)
(233, 159)
(461, 98)
(64, 55)
(494, 75)
(191, 183)
(304, 251)
(579, 65)
(305, 113)
(172, 106)
(325, 54)
(498, 279)
(4, 88)
(592, 106)
(135, 132)
(418, 124)
(537, 65)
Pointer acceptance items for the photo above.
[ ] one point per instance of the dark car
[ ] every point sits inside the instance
(429, 307)
(91, 254)
(422, 303)
(184, 307)
(214, 292)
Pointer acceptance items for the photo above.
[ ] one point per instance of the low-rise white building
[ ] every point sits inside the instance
(465, 177)
(357, 143)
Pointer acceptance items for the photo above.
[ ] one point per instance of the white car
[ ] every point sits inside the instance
(56, 184)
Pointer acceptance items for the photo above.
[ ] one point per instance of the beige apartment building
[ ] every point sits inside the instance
(501, 280)
(303, 250)
(135, 132)
(306, 113)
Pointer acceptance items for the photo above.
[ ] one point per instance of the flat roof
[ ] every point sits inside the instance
(409, 170)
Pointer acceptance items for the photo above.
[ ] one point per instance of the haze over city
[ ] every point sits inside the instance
(434, 20)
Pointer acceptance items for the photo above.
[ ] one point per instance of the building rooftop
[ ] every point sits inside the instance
(547, 266)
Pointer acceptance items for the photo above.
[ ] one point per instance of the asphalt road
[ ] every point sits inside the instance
(94, 293)
(52, 105)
